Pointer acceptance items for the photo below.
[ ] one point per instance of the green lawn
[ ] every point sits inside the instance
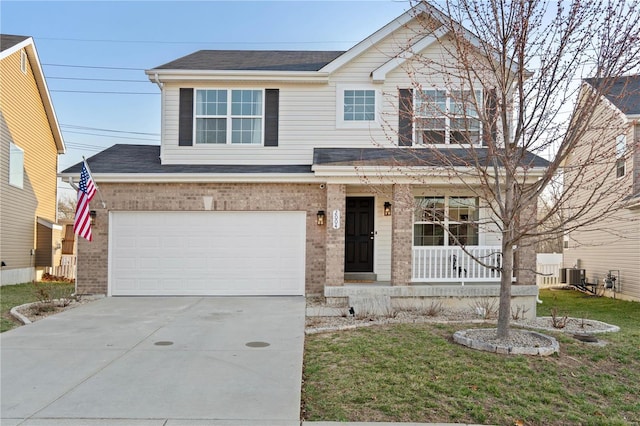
(15, 295)
(415, 373)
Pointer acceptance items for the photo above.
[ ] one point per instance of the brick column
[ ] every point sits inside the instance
(526, 252)
(336, 200)
(401, 234)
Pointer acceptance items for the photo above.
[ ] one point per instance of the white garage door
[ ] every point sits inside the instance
(206, 253)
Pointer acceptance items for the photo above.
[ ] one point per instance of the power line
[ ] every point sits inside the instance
(194, 42)
(71, 126)
(110, 136)
(105, 92)
(95, 67)
(82, 147)
(98, 79)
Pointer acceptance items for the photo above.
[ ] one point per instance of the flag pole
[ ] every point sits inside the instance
(84, 160)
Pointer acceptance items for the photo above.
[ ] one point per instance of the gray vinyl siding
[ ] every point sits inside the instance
(612, 242)
(616, 248)
(635, 162)
(17, 206)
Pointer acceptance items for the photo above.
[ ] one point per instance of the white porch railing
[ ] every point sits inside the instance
(67, 267)
(548, 269)
(452, 264)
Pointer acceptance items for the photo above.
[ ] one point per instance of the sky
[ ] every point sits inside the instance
(94, 53)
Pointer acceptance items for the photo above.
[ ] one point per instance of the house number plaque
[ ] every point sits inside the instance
(336, 219)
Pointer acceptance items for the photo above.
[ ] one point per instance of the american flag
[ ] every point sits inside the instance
(86, 191)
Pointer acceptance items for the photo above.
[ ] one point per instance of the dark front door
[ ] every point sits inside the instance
(358, 256)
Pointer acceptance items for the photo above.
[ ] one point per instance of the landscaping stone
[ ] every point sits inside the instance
(519, 342)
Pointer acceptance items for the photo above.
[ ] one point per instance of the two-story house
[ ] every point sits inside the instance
(292, 173)
(609, 246)
(30, 142)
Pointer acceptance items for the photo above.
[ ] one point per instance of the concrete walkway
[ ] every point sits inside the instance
(157, 361)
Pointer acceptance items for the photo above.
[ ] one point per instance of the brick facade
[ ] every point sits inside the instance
(525, 256)
(325, 246)
(93, 257)
(336, 200)
(402, 234)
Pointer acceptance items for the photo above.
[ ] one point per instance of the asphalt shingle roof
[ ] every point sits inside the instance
(7, 41)
(411, 157)
(253, 60)
(145, 159)
(142, 159)
(624, 92)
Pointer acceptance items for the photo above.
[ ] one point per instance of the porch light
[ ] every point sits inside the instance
(92, 215)
(320, 217)
(387, 208)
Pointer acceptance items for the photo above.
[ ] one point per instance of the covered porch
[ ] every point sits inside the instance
(397, 242)
(430, 234)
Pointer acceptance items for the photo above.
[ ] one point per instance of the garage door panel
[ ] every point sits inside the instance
(207, 253)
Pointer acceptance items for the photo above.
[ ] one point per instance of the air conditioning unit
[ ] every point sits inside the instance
(576, 276)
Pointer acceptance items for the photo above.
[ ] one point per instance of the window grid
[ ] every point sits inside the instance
(435, 215)
(444, 117)
(359, 105)
(220, 121)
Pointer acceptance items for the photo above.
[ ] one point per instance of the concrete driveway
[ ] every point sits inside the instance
(157, 361)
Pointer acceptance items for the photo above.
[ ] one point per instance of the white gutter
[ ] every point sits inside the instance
(393, 171)
(225, 75)
(200, 177)
(157, 80)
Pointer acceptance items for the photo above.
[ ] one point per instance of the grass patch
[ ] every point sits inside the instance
(415, 373)
(19, 294)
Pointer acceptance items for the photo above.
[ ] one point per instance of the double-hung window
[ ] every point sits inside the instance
(446, 221)
(229, 116)
(447, 117)
(621, 147)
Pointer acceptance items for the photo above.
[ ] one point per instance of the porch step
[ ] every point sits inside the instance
(360, 276)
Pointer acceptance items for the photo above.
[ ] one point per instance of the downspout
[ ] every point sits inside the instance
(161, 86)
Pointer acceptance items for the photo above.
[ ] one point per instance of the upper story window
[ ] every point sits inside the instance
(446, 221)
(357, 106)
(621, 147)
(229, 116)
(16, 166)
(447, 117)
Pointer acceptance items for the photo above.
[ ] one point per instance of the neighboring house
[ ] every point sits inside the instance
(612, 244)
(276, 176)
(30, 142)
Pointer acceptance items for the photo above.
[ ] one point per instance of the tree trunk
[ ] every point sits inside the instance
(504, 313)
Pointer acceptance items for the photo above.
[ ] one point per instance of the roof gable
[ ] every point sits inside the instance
(623, 93)
(13, 43)
(8, 43)
(314, 64)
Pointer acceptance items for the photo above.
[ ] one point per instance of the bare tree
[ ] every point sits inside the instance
(511, 70)
(551, 238)
(66, 207)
